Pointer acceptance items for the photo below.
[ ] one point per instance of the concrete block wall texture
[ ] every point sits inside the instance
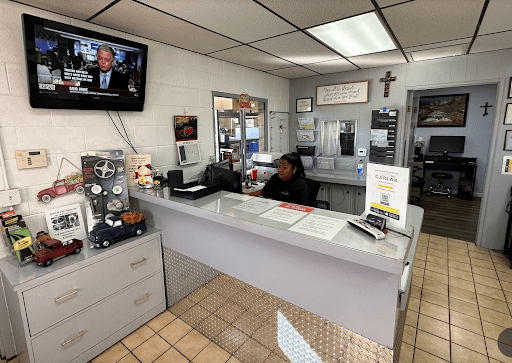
(178, 81)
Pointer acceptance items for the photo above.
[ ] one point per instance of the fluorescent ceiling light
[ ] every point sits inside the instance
(363, 34)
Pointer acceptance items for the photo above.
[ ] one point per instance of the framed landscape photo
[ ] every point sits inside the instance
(304, 105)
(443, 110)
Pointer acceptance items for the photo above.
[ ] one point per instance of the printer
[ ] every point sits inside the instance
(266, 163)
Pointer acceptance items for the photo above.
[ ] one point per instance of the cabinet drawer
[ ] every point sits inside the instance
(49, 303)
(69, 340)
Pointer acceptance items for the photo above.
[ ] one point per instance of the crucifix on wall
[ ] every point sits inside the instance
(487, 105)
(386, 81)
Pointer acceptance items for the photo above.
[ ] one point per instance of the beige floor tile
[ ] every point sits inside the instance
(434, 311)
(459, 258)
(462, 294)
(138, 337)
(419, 263)
(411, 318)
(494, 352)
(409, 335)
(466, 322)
(487, 281)
(494, 304)
(420, 256)
(492, 331)
(274, 358)
(502, 267)
(161, 320)
(421, 249)
(480, 256)
(181, 306)
(229, 311)
(464, 355)
(172, 356)
(438, 242)
(459, 265)
(504, 276)
(464, 307)
(463, 275)
(468, 339)
(500, 259)
(417, 281)
(415, 292)
(437, 277)
(435, 286)
(191, 344)
(174, 331)
(437, 260)
(433, 345)
(457, 250)
(435, 298)
(482, 263)
(231, 339)
(130, 358)
(489, 291)
(213, 302)
(249, 322)
(406, 353)
(421, 356)
(414, 304)
(199, 294)
(457, 242)
(233, 360)
(151, 349)
(489, 272)
(506, 286)
(112, 354)
(463, 284)
(434, 326)
(436, 268)
(436, 252)
(473, 247)
(195, 315)
(267, 333)
(212, 326)
(417, 271)
(252, 351)
(495, 317)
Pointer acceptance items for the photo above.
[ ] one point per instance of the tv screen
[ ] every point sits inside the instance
(74, 68)
(447, 144)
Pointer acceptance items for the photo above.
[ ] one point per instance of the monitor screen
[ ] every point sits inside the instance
(447, 144)
(74, 68)
(229, 180)
(224, 164)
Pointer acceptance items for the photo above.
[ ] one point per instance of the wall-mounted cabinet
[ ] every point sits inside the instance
(343, 198)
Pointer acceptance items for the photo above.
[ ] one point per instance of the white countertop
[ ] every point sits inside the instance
(348, 244)
(336, 177)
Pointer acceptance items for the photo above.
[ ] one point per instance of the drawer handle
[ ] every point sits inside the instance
(142, 298)
(133, 264)
(72, 339)
(57, 299)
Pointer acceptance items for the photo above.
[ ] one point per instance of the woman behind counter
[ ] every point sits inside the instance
(288, 185)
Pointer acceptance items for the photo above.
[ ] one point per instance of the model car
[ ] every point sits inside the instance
(53, 249)
(187, 131)
(117, 228)
(60, 187)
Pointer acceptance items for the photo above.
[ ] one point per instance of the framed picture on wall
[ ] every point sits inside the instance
(510, 88)
(508, 141)
(304, 105)
(443, 110)
(508, 114)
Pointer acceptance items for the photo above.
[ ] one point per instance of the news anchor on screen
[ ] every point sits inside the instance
(105, 76)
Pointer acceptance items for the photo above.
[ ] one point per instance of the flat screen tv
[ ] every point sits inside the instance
(75, 68)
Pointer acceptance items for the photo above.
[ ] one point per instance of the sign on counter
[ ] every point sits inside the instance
(257, 205)
(319, 226)
(287, 213)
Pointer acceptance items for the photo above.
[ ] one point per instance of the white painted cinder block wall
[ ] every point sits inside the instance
(176, 80)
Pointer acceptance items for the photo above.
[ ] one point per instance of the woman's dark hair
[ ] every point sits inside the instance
(294, 159)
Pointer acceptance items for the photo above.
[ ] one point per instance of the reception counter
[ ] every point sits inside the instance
(309, 257)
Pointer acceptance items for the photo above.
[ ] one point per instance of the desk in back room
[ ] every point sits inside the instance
(465, 166)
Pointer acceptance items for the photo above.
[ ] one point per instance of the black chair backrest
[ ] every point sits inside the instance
(314, 187)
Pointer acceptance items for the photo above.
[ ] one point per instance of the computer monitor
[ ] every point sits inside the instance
(447, 144)
(224, 164)
(229, 180)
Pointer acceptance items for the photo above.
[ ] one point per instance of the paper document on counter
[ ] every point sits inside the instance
(257, 205)
(191, 189)
(242, 197)
(286, 213)
(319, 226)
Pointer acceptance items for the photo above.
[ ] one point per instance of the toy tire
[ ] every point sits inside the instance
(96, 189)
(47, 263)
(46, 198)
(105, 243)
(117, 189)
(76, 251)
(138, 231)
(79, 189)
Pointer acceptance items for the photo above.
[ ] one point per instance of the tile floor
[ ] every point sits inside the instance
(461, 301)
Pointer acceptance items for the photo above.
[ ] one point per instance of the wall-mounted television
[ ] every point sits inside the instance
(75, 68)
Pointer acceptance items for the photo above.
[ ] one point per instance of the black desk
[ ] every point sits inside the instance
(465, 166)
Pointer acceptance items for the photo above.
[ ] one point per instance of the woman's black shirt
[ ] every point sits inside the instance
(294, 191)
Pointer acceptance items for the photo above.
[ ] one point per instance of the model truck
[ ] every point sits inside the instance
(118, 228)
(54, 249)
(73, 183)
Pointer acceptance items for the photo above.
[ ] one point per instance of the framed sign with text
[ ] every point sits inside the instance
(334, 94)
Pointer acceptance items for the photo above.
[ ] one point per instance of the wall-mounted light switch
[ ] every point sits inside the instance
(361, 152)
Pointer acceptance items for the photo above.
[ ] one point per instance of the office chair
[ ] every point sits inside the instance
(417, 181)
(440, 188)
(314, 187)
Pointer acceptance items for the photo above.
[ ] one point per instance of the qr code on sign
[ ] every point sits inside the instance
(384, 199)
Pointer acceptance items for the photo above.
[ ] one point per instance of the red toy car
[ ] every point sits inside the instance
(53, 249)
(187, 131)
(60, 187)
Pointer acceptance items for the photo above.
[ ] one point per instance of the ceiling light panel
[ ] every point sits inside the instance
(243, 20)
(296, 47)
(308, 13)
(154, 24)
(497, 17)
(250, 57)
(363, 34)
(293, 72)
(421, 22)
(76, 9)
(443, 52)
(378, 59)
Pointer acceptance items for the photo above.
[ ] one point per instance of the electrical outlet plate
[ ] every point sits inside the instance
(27, 159)
(361, 152)
(9, 198)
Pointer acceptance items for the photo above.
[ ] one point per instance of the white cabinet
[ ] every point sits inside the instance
(83, 304)
(342, 198)
(324, 193)
(360, 198)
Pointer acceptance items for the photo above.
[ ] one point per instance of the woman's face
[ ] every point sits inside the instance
(285, 170)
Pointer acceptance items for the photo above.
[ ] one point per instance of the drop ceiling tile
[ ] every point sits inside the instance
(250, 57)
(451, 51)
(378, 59)
(305, 14)
(332, 66)
(430, 21)
(384, 3)
(297, 47)
(438, 45)
(154, 24)
(293, 72)
(74, 9)
(497, 17)
(243, 20)
(485, 43)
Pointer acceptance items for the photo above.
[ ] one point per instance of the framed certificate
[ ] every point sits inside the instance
(508, 114)
(304, 105)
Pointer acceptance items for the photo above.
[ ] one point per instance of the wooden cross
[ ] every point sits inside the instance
(486, 106)
(387, 79)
